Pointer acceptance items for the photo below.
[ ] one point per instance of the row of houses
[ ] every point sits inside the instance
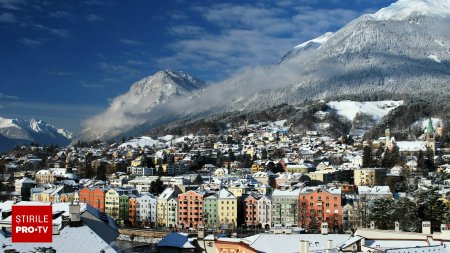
(218, 208)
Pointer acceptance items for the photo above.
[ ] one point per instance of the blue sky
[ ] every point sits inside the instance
(63, 61)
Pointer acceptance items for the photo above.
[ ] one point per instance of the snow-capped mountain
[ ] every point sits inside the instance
(129, 110)
(404, 9)
(402, 49)
(307, 45)
(21, 132)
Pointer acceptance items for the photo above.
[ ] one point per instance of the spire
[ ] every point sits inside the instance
(430, 129)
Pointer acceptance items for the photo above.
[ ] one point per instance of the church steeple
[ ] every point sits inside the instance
(430, 128)
(429, 136)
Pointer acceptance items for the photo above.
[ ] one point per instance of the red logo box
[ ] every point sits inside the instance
(32, 224)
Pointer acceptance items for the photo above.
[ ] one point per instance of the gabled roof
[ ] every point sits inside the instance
(176, 240)
(224, 194)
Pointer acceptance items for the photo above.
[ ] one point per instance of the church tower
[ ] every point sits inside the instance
(387, 133)
(429, 136)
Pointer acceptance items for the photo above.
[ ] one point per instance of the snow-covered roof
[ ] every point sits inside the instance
(286, 193)
(224, 194)
(374, 190)
(273, 243)
(70, 239)
(176, 240)
(411, 146)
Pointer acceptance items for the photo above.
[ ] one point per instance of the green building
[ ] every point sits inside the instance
(210, 211)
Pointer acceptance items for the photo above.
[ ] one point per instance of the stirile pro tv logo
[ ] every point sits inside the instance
(32, 224)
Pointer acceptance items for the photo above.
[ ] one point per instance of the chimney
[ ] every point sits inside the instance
(304, 246)
(426, 227)
(324, 228)
(201, 233)
(397, 226)
(445, 231)
(372, 224)
(74, 215)
(329, 246)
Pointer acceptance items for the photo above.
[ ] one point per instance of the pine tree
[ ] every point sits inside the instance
(198, 180)
(406, 213)
(433, 209)
(231, 156)
(157, 186)
(367, 157)
(263, 154)
(381, 212)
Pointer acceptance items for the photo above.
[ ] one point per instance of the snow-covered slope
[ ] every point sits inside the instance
(401, 49)
(129, 110)
(377, 110)
(404, 9)
(408, 55)
(140, 142)
(20, 131)
(306, 46)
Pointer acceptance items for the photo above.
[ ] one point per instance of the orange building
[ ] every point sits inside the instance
(94, 197)
(251, 210)
(132, 210)
(320, 204)
(190, 209)
(233, 247)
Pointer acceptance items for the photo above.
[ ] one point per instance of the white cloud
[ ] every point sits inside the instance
(60, 14)
(131, 42)
(4, 96)
(7, 18)
(247, 35)
(59, 32)
(12, 4)
(94, 17)
(92, 85)
(116, 67)
(31, 42)
(136, 63)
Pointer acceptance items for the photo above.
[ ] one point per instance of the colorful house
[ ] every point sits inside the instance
(210, 211)
(190, 209)
(320, 204)
(227, 208)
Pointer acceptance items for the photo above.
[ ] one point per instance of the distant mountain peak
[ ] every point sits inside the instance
(127, 109)
(22, 131)
(403, 9)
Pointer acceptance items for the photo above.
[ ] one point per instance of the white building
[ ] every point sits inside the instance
(146, 209)
(264, 211)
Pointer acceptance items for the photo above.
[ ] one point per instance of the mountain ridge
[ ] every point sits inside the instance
(373, 53)
(22, 132)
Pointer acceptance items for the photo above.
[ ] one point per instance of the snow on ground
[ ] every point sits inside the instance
(402, 9)
(166, 138)
(279, 123)
(140, 142)
(320, 40)
(423, 123)
(183, 138)
(4, 123)
(434, 58)
(377, 109)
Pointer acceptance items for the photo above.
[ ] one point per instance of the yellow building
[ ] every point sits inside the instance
(166, 209)
(112, 203)
(237, 191)
(297, 168)
(324, 176)
(227, 208)
(257, 167)
(138, 162)
(369, 176)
